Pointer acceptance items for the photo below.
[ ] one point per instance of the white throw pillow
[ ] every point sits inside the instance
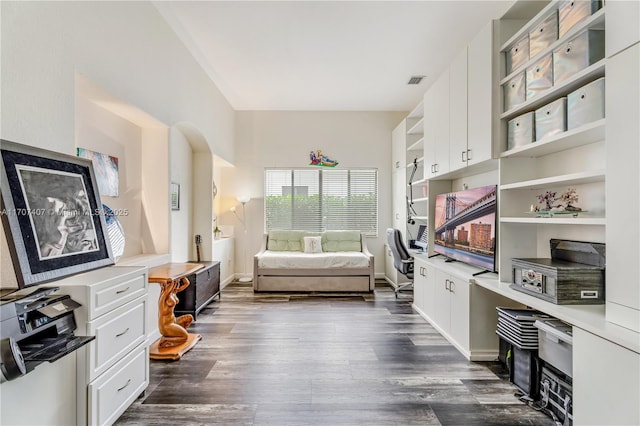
(313, 244)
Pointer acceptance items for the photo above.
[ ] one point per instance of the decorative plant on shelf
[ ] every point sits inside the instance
(566, 200)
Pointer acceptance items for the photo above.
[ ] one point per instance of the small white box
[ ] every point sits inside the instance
(543, 35)
(514, 91)
(520, 130)
(518, 54)
(570, 12)
(555, 344)
(539, 77)
(586, 104)
(551, 119)
(583, 50)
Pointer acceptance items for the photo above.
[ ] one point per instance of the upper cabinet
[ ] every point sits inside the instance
(625, 16)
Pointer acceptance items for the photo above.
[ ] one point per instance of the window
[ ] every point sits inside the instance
(321, 199)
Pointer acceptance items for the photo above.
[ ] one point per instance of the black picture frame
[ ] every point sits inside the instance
(52, 214)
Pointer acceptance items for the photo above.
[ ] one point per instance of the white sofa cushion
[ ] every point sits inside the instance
(300, 260)
(313, 244)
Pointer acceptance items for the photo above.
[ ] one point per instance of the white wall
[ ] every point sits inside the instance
(181, 225)
(284, 139)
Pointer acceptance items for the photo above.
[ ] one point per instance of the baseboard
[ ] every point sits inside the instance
(227, 281)
(379, 276)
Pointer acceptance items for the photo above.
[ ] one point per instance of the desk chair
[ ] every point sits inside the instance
(402, 261)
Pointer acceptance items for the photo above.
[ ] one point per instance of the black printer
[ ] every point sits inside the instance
(36, 325)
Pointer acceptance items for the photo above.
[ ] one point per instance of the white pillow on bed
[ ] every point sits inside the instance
(313, 244)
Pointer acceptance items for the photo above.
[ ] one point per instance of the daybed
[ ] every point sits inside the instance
(330, 261)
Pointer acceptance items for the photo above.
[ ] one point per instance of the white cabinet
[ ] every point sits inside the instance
(112, 370)
(390, 272)
(605, 375)
(223, 253)
(436, 128)
(622, 188)
(623, 25)
(458, 150)
(398, 173)
(481, 94)
(451, 312)
(423, 287)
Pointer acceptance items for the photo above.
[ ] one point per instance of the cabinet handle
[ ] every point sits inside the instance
(123, 333)
(127, 384)
(398, 216)
(469, 155)
(452, 286)
(437, 168)
(446, 284)
(122, 291)
(463, 153)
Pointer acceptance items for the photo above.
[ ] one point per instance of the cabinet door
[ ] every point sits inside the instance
(441, 125)
(458, 111)
(429, 133)
(390, 271)
(399, 200)
(622, 188)
(441, 311)
(459, 314)
(623, 25)
(419, 285)
(398, 145)
(430, 287)
(479, 91)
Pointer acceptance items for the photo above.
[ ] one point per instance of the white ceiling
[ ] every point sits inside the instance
(326, 55)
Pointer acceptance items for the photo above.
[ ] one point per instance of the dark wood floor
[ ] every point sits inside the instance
(333, 360)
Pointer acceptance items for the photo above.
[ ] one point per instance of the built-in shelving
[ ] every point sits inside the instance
(418, 161)
(584, 135)
(578, 80)
(417, 129)
(568, 179)
(418, 111)
(421, 199)
(595, 21)
(590, 221)
(417, 146)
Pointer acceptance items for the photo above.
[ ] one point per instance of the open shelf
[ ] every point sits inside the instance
(568, 179)
(417, 146)
(418, 160)
(595, 21)
(418, 111)
(417, 129)
(419, 200)
(421, 182)
(578, 80)
(591, 221)
(583, 135)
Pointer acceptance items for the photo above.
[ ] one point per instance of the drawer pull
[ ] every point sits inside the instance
(127, 384)
(122, 291)
(123, 333)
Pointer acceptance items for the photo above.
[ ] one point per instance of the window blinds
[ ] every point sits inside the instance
(322, 199)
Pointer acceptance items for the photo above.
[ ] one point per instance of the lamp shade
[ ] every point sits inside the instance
(244, 199)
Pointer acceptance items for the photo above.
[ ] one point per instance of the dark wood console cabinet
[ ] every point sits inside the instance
(204, 287)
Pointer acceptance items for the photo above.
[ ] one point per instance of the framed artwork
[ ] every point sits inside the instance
(175, 196)
(106, 169)
(52, 214)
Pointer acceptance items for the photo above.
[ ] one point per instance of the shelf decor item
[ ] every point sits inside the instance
(564, 207)
(51, 208)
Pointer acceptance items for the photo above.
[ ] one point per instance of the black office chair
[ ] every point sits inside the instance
(402, 261)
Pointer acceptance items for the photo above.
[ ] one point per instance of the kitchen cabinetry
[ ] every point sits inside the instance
(436, 152)
(113, 370)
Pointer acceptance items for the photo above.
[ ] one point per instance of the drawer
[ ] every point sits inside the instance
(543, 35)
(116, 334)
(551, 119)
(518, 54)
(109, 298)
(514, 91)
(570, 12)
(586, 104)
(520, 130)
(118, 388)
(539, 77)
(583, 50)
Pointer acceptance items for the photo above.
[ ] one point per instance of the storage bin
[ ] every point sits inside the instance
(586, 104)
(514, 91)
(525, 370)
(520, 130)
(583, 50)
(539, 77)
(543, 35)
(570, 12)
(518, 54)
(555, 344)
(551, 119)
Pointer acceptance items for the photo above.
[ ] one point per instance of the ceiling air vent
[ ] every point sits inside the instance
(416, 79)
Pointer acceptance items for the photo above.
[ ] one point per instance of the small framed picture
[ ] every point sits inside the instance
(175, 196)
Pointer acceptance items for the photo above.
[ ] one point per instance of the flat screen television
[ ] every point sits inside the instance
(465, 226)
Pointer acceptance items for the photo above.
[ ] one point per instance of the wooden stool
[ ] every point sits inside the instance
(175, 340)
